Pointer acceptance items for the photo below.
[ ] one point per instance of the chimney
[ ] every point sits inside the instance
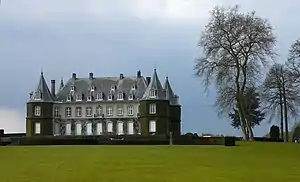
(91, 76)
(139, 74)
(53, 88)
(74, 76)
(148, 78)
(121, 76)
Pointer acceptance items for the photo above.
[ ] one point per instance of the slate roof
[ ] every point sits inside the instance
(42, 92)
(169, 92)
(154, 85)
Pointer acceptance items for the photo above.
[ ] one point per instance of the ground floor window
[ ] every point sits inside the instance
(120, 128)
(99, 128)
(68, 129)
(37, 128)
(89, 130)
(109, 127)
(130, 128)
(78, 128)
(152, 126)
(56, 129)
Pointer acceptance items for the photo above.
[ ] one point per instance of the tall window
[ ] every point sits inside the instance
(120, 96)
(152, 93)
(37, 128)
(109, 110)
(89, 111)
(99, 111)
(56, 112)
(152, 126)
(78, 111)
(68, 112)
(109, 127)
(152, 108)
(37, 110)
(120, 111)
(99, 96)
(130, 110)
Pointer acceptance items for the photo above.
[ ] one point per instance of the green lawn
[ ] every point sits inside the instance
(247, 162)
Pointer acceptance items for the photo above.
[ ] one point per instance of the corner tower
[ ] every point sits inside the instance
(154, 109)
(40, 110)
(174, 109)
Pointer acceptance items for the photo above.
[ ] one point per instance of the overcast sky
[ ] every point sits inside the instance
(109, 37)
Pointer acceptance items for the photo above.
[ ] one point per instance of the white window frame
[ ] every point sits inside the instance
(56, 112)
(92, 88)
(130, 110)
(113, 88)
(130, 97)
(99, 96)
(133, 87)
(37, 128)
(109, 110)
(110, 96)
(38, 95)
(68, 126)
(120, 96)
(78, 111)
(69, 98)
(99, 128)
(68, 111)
(37, 110)
(153, 93)
(79, 97)
(78, 131)
(120, 130)
(152, 126)
(72, 88)
(110, 129)
(152, 108)
(89, 111)
(99, 111)
(89, 132)
(130, 123)
(89, 98)
(120, 111)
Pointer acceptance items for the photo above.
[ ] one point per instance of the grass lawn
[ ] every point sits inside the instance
(247, 162)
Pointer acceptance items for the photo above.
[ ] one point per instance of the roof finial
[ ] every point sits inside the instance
(42, 71)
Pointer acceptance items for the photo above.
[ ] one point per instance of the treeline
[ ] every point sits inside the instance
(237, 48)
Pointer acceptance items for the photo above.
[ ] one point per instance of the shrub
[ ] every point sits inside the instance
(274, 132)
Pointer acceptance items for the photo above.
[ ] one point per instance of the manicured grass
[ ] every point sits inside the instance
(247, 162)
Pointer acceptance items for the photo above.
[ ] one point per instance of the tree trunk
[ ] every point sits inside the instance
(285, 114)
(281, 114)
(242, 117)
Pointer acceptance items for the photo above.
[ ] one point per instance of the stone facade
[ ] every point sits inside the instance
(104, 106)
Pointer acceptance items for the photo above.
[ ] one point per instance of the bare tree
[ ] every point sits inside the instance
(235, 47)
(280, 96)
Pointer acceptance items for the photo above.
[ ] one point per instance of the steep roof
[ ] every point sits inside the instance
(169, 93)
(42, 92)
(154, 86)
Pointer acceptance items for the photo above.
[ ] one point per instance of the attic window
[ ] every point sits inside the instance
(72, 88)
(79, 97)
(38, 95)
(153, 93)
(110, 97)
(99, 96)
(134, 87)
(113, 87)
(92, 88)
(130, 97)
(120, 96)
(69, 98)
(89, 98)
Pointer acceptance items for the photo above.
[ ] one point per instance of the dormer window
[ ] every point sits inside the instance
(153, 93)
(92, 88)
(79, 97)
(130, 97)
(113, 87)
(38, 95)
(89, 98)
(110, 97)
(134, 87)
(69, 98)
(72, 88)
(120, 96)
(99, 96)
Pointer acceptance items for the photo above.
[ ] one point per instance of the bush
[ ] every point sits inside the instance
(274, 132)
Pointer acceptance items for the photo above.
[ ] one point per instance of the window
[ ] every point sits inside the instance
(120, 111)
(37, 110)
(68, 129)
(109, 127)
(78, 129)
(99, 111)
(99, 96)
(130, 97)
(152, 108)
(38, 95)
(120, 128)
(152, 126)
(134, 87)
(56, 129)
(56, 112)
(99, 128)
(120, 96)
(79, 97)
(89, 130)
(68, 112)
(92, 88)
(69, 98)
(130, 128)
(89, 111)
(78, 111)
(110, 97)
(89, 98)
(153, 93)
(72, 88)
(37, 128)
(109, 111)
(130, 110)
(113, 87)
